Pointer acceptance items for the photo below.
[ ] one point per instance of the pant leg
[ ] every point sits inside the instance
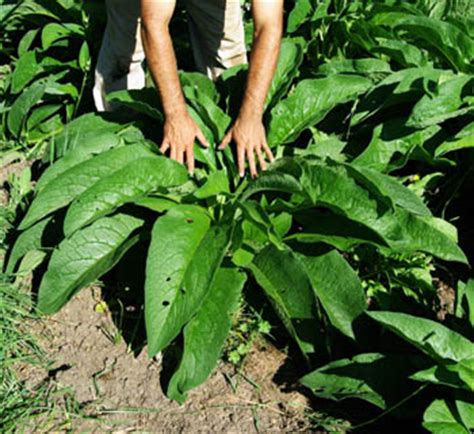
(119, 65)
(217, 34)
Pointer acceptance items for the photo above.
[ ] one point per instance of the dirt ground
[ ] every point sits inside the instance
(123, 393)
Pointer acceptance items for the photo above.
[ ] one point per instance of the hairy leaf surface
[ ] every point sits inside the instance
(137, 179)
(309, 103)
(206, 333)
(337, 287)
(285, 282)
(434, 339)
(70, 184)
(184, 255)
(365, 377)
(81, 152)
(84, 257)
(31, 239)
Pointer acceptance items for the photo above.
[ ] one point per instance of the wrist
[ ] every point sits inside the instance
(177, 112)
(249, 113)
(251, 108)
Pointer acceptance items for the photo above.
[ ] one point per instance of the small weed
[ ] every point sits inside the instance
(248, 327)
(323, 422)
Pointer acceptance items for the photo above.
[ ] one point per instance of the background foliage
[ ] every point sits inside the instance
(344, 243)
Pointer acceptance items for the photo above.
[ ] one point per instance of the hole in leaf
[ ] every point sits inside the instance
(189, 221)
(183, 290)
(168, 279)
(166, 303)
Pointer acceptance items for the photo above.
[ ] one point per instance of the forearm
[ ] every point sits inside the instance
(263, 62)
(161, 61)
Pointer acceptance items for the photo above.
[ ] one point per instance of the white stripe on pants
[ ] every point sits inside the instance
(217, 36)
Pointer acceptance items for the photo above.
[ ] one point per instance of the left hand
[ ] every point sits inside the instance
(248, 133)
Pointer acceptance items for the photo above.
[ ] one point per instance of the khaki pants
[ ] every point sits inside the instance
(217, 36)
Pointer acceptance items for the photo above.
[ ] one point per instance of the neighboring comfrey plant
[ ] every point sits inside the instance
(45, 70)
(290, 230)
(444, 360)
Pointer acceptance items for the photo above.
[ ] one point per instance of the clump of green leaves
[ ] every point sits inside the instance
(45, 45)
(349, 120)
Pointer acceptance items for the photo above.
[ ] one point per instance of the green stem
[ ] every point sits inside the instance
(389, 410)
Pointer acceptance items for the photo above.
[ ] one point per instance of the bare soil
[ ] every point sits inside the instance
(122, 392)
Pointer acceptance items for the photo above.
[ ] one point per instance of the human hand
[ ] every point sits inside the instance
(248, 133)
(179, 135)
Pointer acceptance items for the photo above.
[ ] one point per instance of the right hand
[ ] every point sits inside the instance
(179, 135)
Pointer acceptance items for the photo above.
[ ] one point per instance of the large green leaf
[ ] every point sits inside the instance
(54, 32)
(405, 54)
(372, 68)
(333, 229)
(431, 337)
(213, 116)
(309, 103)
(457, 375)
(441, 36)
(204, 155)
(283, 279)
(144, 101)
(84, 257)
(206, 333)
(425, 234)
(71, 183)
(82, 130)
(137, 179)
(199, 83)
(446, 103)
(380, 379)
(337, 287)
(26, 41)
(399, 88)
(463, 140)
(31, 239)
(393, 141)
(26, 69)
(291, 57)
(273, 181)
(393, 189)
(101, 142)
(446, 417)
(300, 13)
(217, 183)
(22, 106)
(184, 255)
(333, 187)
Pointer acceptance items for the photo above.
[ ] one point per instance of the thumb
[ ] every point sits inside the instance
(202, 138)
(226, 141)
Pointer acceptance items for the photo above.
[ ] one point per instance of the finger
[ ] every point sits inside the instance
(241, 160)
(180, 155)
(226, 141)
(202, 139)
(190, 160)
(261, 160)
(164, 147)
(173, 152)
(252, 165)
(268, 151)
